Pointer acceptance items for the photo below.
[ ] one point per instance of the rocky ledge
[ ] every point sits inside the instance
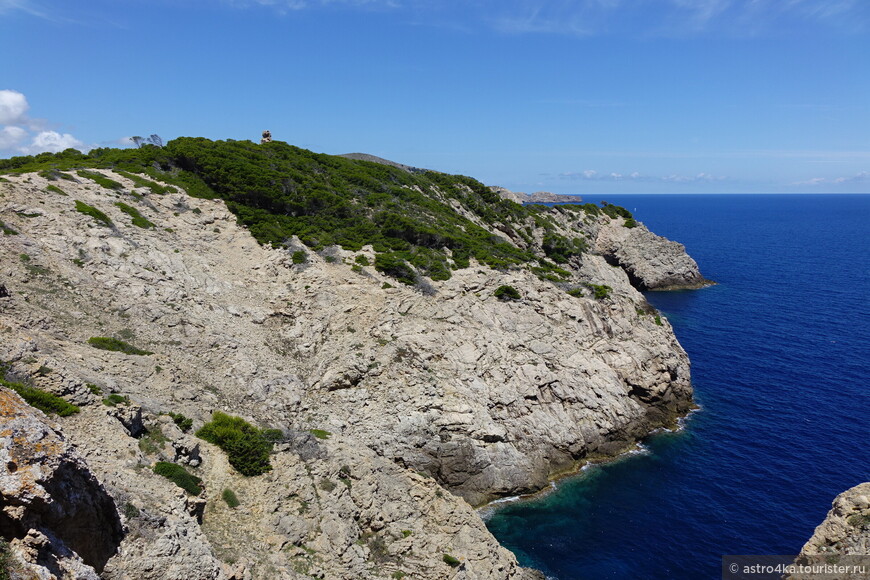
(650, 261)
(845, 532)
(400, 407)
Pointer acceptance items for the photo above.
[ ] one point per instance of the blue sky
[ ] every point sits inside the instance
(583, 96)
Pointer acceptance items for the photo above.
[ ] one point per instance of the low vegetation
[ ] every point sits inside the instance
(451, 560)
(183, 423)
(117, 345)
(90, 210)
(180, 476)
(320, 433)
(247, 447)
(139, 181)
(115, 399)
(506, 292)
(138, 219)
(100, 179)
(229, 496)
(600, 291)
(279, 191)
(48, 403)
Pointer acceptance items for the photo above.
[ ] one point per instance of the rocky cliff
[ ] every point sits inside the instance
(845, 532)
(400, 406)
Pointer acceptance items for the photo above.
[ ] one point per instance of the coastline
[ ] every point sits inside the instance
(638, 447)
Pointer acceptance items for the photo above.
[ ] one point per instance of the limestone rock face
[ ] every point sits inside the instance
(845, 532)
(59, 516)
(651, 261)
(400, 405)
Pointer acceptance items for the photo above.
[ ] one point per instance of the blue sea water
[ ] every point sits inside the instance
(780, 353)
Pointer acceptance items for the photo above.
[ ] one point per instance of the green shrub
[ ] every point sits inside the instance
(180, 476)
(450, 560)
(615, 211)
(279, 191)
(362, 260)
(138, 219)
(94, 389)
(320, 433)
(130, 511)
(229, 496)
(183, 422)
(246, 446)
(46, 402)
(115, 399)
(93, 212)
(117, 345)
(54, 189)
(600, 291)
(395, 266)
(100, 179)
(299, 257)
(505, 293)
(7, 231)
(139, 181)
(658, 320)
(630, 223)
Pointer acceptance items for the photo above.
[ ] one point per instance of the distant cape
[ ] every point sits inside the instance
(536, 197)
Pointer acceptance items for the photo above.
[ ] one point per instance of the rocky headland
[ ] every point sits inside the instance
(400, 406)
(844, 532)
(536, 197)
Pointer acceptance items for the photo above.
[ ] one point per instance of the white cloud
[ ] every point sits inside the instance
(593, 175)
(861, 177)
(54, 142)
(19, 128)
(13, 108)
(11, 137)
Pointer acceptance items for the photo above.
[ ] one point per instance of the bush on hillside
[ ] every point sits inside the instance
(246, 446)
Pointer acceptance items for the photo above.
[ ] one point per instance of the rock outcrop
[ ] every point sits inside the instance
(419, 396)
(58, 516)
(845, 532)
(651, 261)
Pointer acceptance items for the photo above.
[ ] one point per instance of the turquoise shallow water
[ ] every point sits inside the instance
(780, 354)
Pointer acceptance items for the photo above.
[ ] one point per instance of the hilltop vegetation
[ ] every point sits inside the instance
(433, 221)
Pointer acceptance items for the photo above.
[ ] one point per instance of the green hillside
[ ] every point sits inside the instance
(432, 221)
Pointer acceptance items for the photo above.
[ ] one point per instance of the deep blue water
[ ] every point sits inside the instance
(780, 353)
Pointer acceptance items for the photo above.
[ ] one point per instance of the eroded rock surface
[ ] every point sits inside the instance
(58, 516)
(651, 261)
(423, 396)
(845, 532)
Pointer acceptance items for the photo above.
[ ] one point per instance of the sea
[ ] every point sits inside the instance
(780, 352)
